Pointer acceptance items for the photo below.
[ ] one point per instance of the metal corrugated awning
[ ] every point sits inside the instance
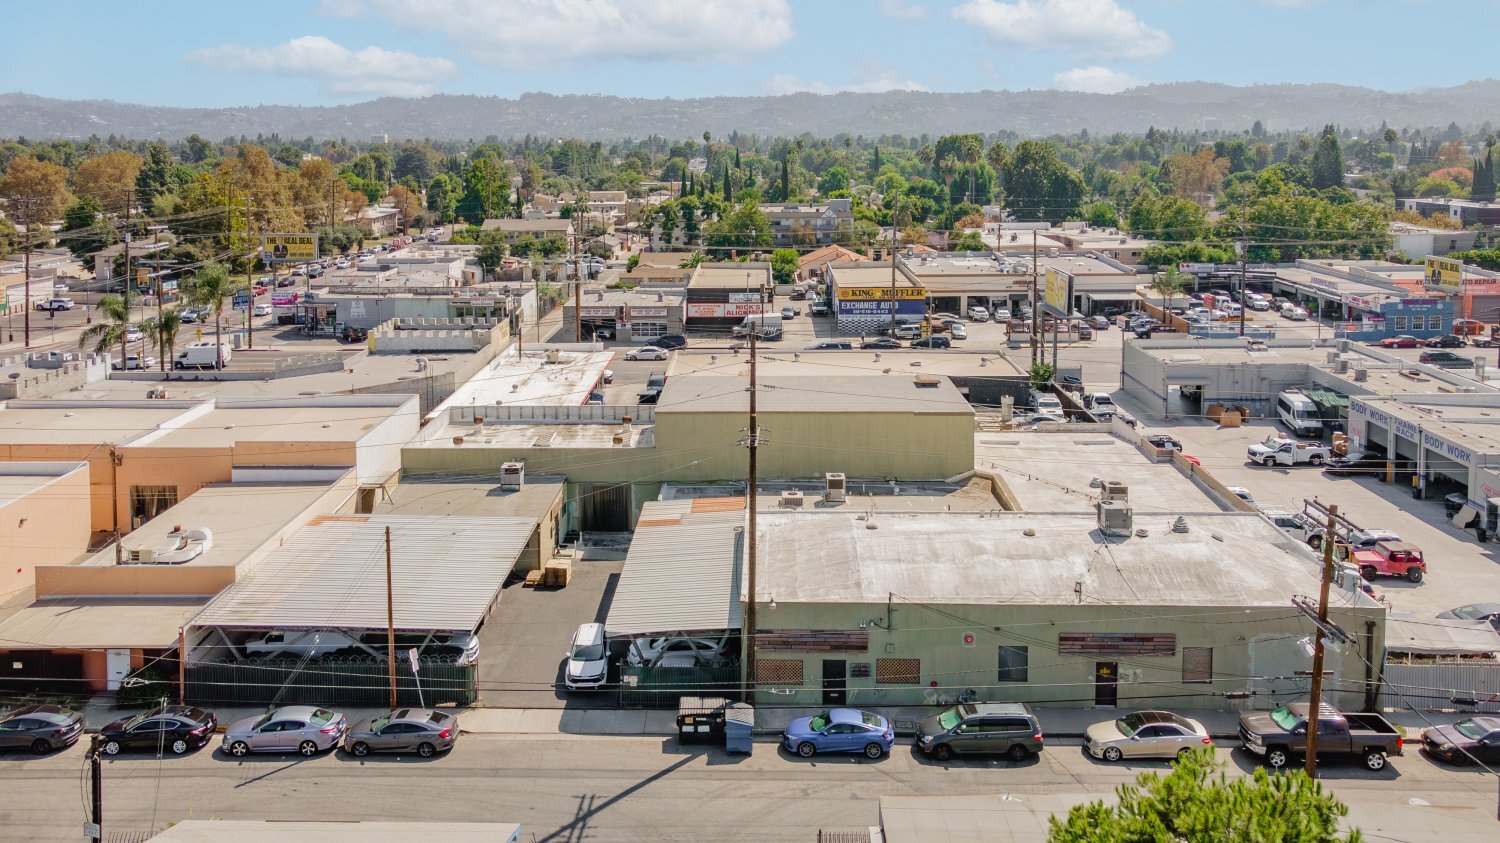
(1440, 636)
(331, 575)
(683, 569)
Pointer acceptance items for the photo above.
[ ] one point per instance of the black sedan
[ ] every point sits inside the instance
(881, 342)
(1465, 742)
(1356, 463)
(174, 728)
(932, 342)
(670, 342)
(1445, 341)
(40, 728)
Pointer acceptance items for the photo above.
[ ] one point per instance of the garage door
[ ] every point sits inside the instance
(604, 507)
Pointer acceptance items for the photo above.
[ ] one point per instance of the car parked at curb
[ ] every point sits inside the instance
(670, 342)
(168, 728)
(40, 728)
(932, 342)
(1475, 740)
(304, 729)
(134, 361)
(425, 731)
(587, 655)
(1445, 360)
(840, 730)
(1281, 733)
(1400, 341)
(649, 352)
(881, 342)
(1009, 729)
(1146, 734)
(1446, 341)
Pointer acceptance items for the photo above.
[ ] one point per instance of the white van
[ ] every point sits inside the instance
(1046, 402)
(202, 355)
(1299, 413)
(587, 659)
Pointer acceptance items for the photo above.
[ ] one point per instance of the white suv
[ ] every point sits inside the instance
(588, 662)
(979, 314)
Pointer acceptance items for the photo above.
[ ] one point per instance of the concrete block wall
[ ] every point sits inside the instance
(407, 336)
(42, 375)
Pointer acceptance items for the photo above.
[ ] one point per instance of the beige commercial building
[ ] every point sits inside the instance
(39, 519)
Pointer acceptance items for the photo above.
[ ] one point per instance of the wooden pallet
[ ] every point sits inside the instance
(533, 579)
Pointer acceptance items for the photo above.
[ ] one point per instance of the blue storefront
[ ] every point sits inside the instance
(1371, 318)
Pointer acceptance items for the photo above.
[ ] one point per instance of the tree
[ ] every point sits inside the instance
(1169, 218)
(32, 192)
(969, 241)
(745, 228)
(1040, 374)
(196, 149)
(1100, 214)
(970, 151)
(1198, 175)
(1328, 160)
(416, 161)
(157, 176)
(442, 198)
(492, 250)
(1190, 804)
(210, 288)
(834, 178)
(1166, 284)
(1390, 138)
(1483, 188)
(108, 179)
(83, 231)
(161, 331)
(1038, 185)
(784, 266)
(407, 203)
(114, 321)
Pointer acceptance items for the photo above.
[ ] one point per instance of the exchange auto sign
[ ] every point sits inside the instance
(279, 248)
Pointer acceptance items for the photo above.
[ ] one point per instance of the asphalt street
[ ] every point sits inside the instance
(568, 788)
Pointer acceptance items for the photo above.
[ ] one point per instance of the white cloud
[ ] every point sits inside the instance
(902, 11)
(535, 34)
(872, 80)
(1094, 80)
(1093, 28)
(337, 69)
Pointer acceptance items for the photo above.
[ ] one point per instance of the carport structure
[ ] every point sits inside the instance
(446, 573)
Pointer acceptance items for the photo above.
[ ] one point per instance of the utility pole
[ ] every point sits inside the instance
(249, 279)
(129, 282)
(893, 286)
(26, 309)
(1035, 305)
(95, 827)
(752, 440)
(1317, 667)
(1241, 246)
(390, 619)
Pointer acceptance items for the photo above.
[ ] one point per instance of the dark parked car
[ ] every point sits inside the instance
(172, 728)
(670, 342)
(1445, 360)
(1356, 463)
(981, 728)
(1476, 612)
(352, 333)
(424, 731)
(830, 345)
(1446, 341)
(881, 342)
(40, 728)
(1465, 742)
(932, 342)
(655, 383)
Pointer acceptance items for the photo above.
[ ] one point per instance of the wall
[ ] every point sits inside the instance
(43, 527)
(101, 473)
(176, 580)
(378, 455)
(42, 378)
(1262, 642)
(407, 336)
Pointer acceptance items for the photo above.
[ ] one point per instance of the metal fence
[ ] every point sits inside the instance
(348, 682)
(1469, 687)
(662, 687)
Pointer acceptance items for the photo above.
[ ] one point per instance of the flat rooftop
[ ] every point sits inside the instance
(789, 360)
(1235, 351)
(508, 434)
(70, 423)
(223, 427)
(821, 393)
(1475, 425)
(751, 276)
(1051, 472)
(23, 479)
(360, 371)
(221, 508)
(1225, 559)
(858, 275)
(93, 623)
(525, 377)
(417, 495)
(861, 495)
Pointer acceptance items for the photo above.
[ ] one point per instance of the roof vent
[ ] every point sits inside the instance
(1180, 525)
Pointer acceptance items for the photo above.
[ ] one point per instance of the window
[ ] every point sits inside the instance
(778, 672)
(1197, 664)
(147, 502)
(1398, 323)
(898, 671)
(1435, 323)
(1014, 664)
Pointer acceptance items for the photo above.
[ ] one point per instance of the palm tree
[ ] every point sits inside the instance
(210, 288)
(970, 150)
(161, 332)
(1166, 284)
(948, 169)
(114, 322)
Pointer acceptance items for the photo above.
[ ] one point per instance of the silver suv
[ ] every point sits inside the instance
(981, 728)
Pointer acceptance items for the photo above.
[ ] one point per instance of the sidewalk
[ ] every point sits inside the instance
(1057, 723)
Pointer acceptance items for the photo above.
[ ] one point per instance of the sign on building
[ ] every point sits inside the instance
(1057, 295)
(880, 293)
(1444, 273)
(289, 248)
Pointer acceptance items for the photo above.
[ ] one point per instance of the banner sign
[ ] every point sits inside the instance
(285, 248)
(1445, 273)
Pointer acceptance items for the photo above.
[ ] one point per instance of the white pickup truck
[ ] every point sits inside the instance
(1275, 451)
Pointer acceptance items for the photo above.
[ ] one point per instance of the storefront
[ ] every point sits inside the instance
(1436, 445)
(720, 296)
(627, 315)
(1375, 317)
(647, 323)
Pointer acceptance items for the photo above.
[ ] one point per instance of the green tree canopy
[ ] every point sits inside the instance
(784, 266)
(1038, 185)
(745, 229)
(1328, 160)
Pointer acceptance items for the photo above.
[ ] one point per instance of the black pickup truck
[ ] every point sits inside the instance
(1281, 733)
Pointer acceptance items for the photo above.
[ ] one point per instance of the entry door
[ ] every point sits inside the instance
(1106, 683)
(835, 680)
(116, 668)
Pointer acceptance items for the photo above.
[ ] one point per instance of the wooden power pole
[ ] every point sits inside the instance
(1317, 668)
(390, 619)
(752, 441)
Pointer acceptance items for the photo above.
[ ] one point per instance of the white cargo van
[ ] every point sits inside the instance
(202, 355)
(766, 326)
(1299, 413)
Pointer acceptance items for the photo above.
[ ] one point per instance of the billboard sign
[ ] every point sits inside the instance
(1198, 268)
(1057, 298)
(1443, 273)
(716, 310)
(289, 248)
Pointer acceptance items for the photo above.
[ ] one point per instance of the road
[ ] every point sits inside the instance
(570, 788)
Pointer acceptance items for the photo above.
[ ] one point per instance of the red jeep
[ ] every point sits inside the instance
(1391, 559)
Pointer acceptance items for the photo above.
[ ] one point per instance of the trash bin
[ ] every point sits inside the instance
(701, 719)
(739, 728)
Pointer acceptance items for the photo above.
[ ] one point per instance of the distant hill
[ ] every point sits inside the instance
(1188, 105)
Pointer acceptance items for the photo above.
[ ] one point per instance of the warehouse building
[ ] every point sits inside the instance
(638, 316)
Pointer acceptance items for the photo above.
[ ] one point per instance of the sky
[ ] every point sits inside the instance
(327, 52)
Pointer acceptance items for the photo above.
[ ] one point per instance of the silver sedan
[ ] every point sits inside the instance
(300, 728)
(424, 731)
(1146, 734)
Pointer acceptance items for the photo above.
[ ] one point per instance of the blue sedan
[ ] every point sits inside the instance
(840, 730)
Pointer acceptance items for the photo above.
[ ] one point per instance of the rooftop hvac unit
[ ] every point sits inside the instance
(1360, 373)
(182, 546)
(835, 486)
(1114, 490)
(1333, 356)
(791, 500)
(1114, 518)
(1340, 366)
(553, 355)
(513, 474)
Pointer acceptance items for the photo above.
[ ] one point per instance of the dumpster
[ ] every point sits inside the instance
(739, 728)
(701, 719)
